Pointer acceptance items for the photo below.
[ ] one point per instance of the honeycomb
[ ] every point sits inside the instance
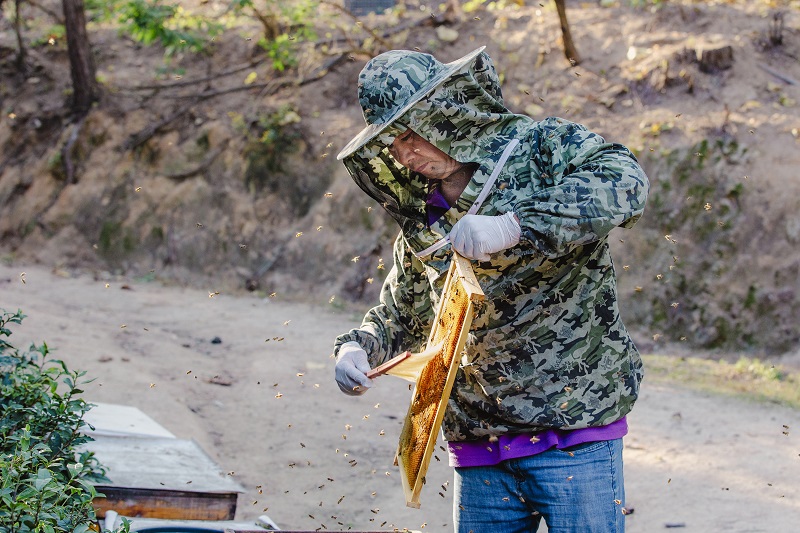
(422, 424)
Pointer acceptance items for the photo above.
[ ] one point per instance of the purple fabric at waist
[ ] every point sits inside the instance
(485, 453)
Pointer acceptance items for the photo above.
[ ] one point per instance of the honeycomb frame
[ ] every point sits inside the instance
(435, 382)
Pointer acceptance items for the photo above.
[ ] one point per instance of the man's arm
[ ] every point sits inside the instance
(402, 319)
(586, 188)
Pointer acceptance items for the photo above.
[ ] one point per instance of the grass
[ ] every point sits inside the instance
(750, 379)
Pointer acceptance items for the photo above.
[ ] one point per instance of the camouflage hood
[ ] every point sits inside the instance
(458, 107)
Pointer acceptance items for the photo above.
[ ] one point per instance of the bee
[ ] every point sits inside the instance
(138, 189)
(298, 234)
(286, 324)
(674, 305)
(355, 259)
(707, 207)
(328, 195)
(199, 225)
(22, 279)
(319, 228)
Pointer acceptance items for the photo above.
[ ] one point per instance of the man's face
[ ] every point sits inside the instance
(417, 154)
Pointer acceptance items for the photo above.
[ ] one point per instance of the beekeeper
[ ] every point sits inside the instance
(535, 422)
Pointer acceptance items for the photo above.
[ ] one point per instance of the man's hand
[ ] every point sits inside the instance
(477, 236)
(351, 368)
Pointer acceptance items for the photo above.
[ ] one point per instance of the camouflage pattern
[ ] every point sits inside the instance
(547, 349)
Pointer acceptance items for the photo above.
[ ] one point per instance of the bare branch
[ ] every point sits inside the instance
(347, 12)
(212, 155)
(186, 83)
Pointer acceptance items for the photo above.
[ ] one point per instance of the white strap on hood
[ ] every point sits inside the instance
(487, 188)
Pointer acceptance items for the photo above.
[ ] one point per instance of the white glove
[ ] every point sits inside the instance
(477, 236)
(351, 368)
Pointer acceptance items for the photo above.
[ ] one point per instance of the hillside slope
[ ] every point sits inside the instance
(202, 200)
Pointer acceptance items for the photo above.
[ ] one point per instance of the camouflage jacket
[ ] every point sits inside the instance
(547, 349)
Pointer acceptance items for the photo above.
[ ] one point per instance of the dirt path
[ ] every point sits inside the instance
(262, 402)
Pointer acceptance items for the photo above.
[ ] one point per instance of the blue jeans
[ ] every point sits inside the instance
(575, 490)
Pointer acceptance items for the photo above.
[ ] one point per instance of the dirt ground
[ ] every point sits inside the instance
(263, 404)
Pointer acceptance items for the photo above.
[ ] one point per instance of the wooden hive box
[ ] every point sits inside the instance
(155, 477)
(152, 473)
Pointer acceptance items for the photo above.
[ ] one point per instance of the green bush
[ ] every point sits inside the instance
(45, 482)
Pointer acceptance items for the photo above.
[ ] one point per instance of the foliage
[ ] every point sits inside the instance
(749, 378)
(45, 481)
(270, 137)
(286, 25)
(150, 21)
(56, 33)
(494, 5)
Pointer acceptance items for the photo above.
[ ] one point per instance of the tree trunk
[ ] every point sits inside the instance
(21, 52)
(84, 85)
(569, 47)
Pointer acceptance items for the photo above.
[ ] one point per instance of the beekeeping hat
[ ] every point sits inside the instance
(392, 83)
